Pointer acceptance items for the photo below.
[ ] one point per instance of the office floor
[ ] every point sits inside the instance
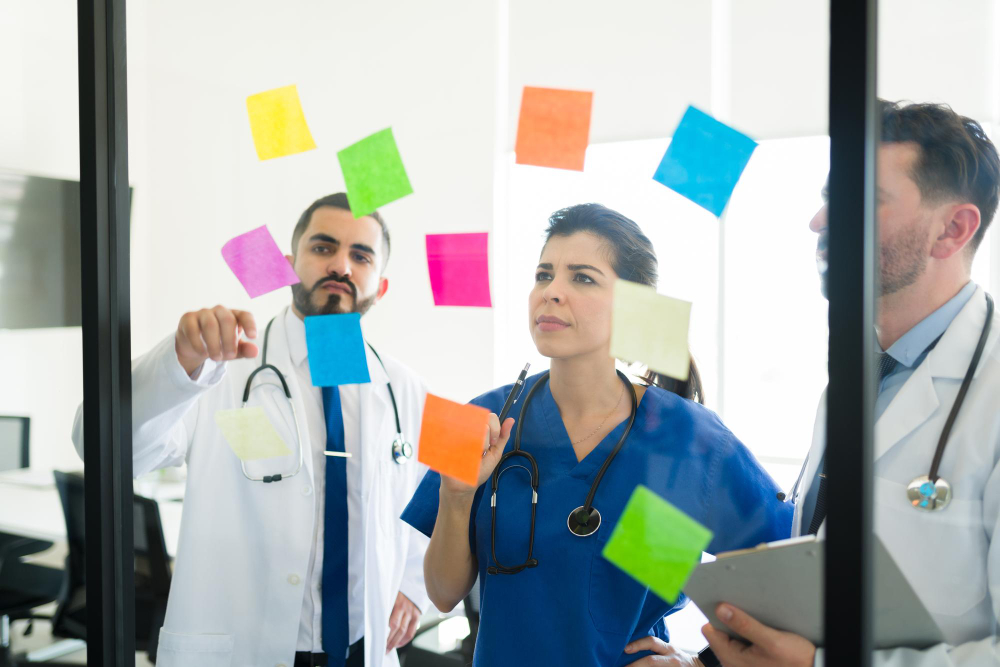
(41, 637)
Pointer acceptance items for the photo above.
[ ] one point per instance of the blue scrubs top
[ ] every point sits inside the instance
(576, 608)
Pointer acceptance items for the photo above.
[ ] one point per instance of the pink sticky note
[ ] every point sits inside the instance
(459, 269)
(258, 263)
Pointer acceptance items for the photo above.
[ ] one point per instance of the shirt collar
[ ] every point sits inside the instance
(295, 329)
(915, 342)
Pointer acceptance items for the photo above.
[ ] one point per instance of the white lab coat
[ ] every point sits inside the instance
(950, 557)
(240, 572)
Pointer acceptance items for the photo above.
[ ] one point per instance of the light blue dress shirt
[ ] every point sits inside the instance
(910, 350)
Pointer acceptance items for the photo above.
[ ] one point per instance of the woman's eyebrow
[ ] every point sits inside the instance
(577, 267)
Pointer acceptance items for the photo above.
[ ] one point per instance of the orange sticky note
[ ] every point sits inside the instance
(554, 127)
(451, 438)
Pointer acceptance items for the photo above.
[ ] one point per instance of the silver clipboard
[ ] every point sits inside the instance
(780, 584)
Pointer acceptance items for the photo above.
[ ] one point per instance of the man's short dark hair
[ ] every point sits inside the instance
(338, 200)
(956, 160)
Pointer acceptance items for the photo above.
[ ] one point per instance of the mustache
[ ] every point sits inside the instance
(823, 243)
(336, 279)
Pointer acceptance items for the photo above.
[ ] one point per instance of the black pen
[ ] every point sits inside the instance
(514, 394)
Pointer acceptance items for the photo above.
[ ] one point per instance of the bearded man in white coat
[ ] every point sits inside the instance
(938, 183)
(299, 559)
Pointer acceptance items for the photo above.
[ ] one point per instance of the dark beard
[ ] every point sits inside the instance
(303, 299)
(901, 262)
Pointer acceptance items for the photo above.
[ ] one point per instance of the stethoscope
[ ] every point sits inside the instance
(931, 492)
(582, 521)
(402, 450)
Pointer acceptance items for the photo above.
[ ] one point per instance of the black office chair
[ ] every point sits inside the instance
(23, 588)
(415, 656)
(152, 568)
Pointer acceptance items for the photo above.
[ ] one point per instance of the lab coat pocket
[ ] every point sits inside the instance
(615, 598)
(942, 553)
(183, 650)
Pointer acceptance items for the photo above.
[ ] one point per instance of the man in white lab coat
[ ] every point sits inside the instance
(938, 183)
(314, 568)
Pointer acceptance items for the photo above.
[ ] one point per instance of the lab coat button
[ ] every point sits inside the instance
(281, 664)
(307, 490)
(293, 579)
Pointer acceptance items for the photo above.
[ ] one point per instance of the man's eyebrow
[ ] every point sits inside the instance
(547, 267)
(364, 248)
(326, 238)
(577, 267)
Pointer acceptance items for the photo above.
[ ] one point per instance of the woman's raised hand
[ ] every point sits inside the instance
(493, 445)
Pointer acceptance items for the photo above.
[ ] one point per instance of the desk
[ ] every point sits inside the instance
(32, 508)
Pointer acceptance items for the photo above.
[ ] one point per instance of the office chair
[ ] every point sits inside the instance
(14, 442)
(23, 587)
(415, 656)
(152, 568)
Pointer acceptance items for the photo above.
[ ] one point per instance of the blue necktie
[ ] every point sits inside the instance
(334, 582)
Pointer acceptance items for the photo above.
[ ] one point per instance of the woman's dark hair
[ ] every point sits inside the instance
(632, 257)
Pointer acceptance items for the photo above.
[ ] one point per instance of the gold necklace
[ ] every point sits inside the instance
(589, 435)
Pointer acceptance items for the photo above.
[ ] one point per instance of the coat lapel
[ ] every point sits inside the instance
(918, 398)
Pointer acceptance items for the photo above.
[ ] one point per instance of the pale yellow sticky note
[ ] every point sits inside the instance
(650, 328)
(278, 123)
(250, 434)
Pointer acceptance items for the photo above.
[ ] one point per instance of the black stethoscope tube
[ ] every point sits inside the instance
(580, 519)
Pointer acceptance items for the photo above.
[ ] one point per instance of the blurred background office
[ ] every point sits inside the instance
(447, 78)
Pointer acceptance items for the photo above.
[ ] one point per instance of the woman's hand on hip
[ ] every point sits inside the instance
(665, 655)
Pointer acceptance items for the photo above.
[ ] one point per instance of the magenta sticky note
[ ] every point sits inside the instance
(459, 268)
(258, 263)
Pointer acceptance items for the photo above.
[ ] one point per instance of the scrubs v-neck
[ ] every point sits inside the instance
(576, 608)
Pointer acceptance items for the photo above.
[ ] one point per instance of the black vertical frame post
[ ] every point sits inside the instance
(107, 379)
(854, 136)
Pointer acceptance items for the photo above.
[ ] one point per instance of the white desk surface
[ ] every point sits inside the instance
(30, 507)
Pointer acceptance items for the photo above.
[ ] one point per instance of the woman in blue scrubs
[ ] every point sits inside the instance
(572, 607)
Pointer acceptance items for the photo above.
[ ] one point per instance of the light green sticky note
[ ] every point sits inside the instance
(250, 434)
(373, 173)
(651, 328)
(657, 544)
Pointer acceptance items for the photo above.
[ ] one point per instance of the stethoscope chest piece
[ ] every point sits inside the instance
(924, 494)
(581, 523)
(402, 451)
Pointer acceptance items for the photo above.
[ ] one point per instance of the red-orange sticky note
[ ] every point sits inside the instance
(554, 127)
(451, 438)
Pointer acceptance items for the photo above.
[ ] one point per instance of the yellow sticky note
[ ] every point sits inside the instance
(650, 328)
(250, 434)
(278, 123)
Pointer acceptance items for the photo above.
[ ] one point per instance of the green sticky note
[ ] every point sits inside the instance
(373, 173)
(250, 434)
(650, 328)
(657, 544)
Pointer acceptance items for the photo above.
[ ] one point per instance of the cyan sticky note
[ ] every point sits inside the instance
(656, 544)
(336, 350)
(373, 173)
(458, 265)
(258, 263)
(705, 160)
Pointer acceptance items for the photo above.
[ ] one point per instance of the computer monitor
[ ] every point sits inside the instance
(14, 438)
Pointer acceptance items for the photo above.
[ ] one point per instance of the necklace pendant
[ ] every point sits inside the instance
(930, 496)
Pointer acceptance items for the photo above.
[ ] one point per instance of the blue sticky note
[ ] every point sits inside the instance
(704, 160)
(336, 350)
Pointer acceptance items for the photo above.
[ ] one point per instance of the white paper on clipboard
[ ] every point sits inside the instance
(780, 584)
